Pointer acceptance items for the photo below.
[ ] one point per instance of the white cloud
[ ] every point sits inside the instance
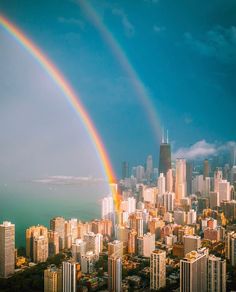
(203, 149)
(128, 26)
(158, 29)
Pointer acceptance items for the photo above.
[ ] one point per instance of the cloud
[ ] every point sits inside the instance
(69, 180)
(218, 43)
(128, 26)
(158, 29)
(72, 21)
(203, 149)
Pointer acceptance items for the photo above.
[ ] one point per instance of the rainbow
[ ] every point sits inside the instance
(126, 65)
(69, 93)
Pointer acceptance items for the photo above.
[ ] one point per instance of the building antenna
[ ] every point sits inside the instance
(163, 136)
(167, 137)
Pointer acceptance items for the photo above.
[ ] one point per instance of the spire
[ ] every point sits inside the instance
(167, 137)
(163, 136)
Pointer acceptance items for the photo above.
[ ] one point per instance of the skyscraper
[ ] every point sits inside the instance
(164, 156)
(149, 168)
(193, 272)
(52, 279)
(40, 249)
(189, 177)
(53, 243)
(161, 183)
(180, 181)
(69, 276)
(206, 168)
(216, 274)
(114, 273)
(7, 249)
(125, 169)
(108, 208)
(158, 269)
(58, 224)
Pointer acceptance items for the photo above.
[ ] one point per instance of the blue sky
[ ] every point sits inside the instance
(183, 51)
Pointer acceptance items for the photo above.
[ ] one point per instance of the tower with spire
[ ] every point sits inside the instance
(165, 153)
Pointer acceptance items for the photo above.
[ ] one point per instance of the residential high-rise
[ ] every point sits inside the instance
(7, 249)
(58, 224)
(161, 184)
(224, 190)
(191, 242)
(108, 208)
(94, 242)
(158, 269)
(87, 262)
(230, 247)
(115, 247)
(53, 243)
(146, 244)
(216, 274)
(168, 201)
(69, 279)
(180, 180)
(169, 181)
(218, 176)
(132, 241)
(33, 233)
(164, 156)
(78, 250)
(193, 272)
(52, 279)
(114, 273)
(40, 249)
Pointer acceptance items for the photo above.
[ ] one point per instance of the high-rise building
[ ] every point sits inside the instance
(140, 173)
(189, 177)
(40, 249)
(216, 274)
(180, 217)
(114, 273)
(218, 176)
(230, 247)
(206, 168)
(169, 181)
(191, 243)
(7, 249)
(53, 243)
(168, 201)
(78, 250)
(191, 217)
(87, 262)
(108, 208)
(161, 183)
(125, 169)
(58, 224)
(224, 190)
(52, 279)
(149, 168)
(33, 233)
(158, 269)
(74, 229)
(132, 241)
(69, 276)
(94, 242)
(115, 248)
(164, 156)
(180, 180)
(146, 244)
(193, 272)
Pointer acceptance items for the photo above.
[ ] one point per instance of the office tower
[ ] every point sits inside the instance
(150, 194)
(206, 168)
(161, 184)
(7, 249)
(179, 217)
(87, 262)
(189, 177)
(216, 274)
(94, 242)
(230, 248)
(125, 169)
(132, 241)
(158, 269)
(191, 217)
(40, 249)
(114, 273)
(53, 243)
(140, 173)
(207, 186)
(115, 247)
(198, 184)
(224, 190)
(180, 180)
(69, 276)
(191, 242)
(169, 181)
(193, 272)
(74, 229)
(78, 249)
(164, 156)
(58, 224)
(214, 200)
(149, 168)
(108, 208)
(168, 201)
(52, 279)
(68, 235)
(32, 233)
(218, 176)
(229, 209)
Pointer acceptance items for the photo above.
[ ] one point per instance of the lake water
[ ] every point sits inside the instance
(27, 203)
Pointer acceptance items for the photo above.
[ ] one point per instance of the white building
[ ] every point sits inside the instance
(158, 269)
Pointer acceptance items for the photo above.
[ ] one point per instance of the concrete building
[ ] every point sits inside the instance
(7, 249)
(52, 279)
(191, 243)
(69, 276)
(58, 224)
(180, 181)
(216, 274)
(158, 269)
(114, 273)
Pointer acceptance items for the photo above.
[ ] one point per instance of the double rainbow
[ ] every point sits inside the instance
(68, 92)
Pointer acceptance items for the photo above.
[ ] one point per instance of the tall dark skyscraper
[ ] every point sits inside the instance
(206, 168)
(189, 176)
(125, 169)
(165, 155)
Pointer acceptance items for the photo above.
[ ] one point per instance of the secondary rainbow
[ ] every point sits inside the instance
(69, 93)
